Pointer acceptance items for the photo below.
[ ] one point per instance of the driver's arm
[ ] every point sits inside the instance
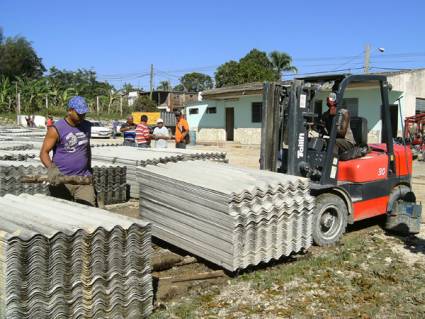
(342, 120)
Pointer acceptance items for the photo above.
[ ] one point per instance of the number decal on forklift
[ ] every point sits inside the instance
(381, 171)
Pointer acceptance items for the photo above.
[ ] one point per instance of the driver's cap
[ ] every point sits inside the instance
(332, 97)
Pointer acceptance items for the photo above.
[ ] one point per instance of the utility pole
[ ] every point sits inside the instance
(18, 103)
(18, 107)
(366, 58)
(47, 101)
(97, 105)
(121, 104)
(151, 82)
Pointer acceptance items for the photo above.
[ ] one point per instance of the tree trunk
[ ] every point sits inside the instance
(97, 105)
(111, 100)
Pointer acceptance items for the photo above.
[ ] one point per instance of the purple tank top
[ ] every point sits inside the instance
(70, 153)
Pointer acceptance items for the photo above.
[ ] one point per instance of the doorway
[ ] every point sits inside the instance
(230, 123)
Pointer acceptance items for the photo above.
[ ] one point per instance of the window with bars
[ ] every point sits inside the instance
(420, 105)
(211, 110)
(257, 112)
(352, 105)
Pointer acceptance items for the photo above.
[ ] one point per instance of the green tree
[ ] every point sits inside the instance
(128, 87)
(281, 62)
(228, 74)
(164, 86)
(196, 82)
(144, 104)
(83, 82)
(253, 67)
(179, 88)
(18, 58)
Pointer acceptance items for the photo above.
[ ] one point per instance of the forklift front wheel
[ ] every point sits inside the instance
(329, 219)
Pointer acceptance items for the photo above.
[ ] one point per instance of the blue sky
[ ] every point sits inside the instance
(120, 39)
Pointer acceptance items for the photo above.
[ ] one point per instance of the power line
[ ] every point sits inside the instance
(324, 71)
(351, 61)
(394, 69)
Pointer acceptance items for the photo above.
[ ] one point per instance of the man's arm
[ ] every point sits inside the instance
(146, 133)
(48, 144)
(125, 127)
(342, 120)
(155, 134)
(185, 130)
(89, 158)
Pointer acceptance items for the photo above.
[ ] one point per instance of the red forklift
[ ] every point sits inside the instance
(414, 134)
(373, 180)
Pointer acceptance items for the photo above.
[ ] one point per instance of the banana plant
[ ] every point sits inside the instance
(65, 95)
(6, 92)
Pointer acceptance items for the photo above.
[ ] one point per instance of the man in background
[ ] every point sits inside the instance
(143, 136)
(114, 128)
(129, 131)
(161, 135)
(69, 139)
(182, 130)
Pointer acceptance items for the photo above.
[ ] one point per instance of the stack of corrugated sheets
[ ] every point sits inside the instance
(109, 179)
(15, 146)
(132, 157)
(231, 216)
(18, 155)
(11, 173)
(59, 259)
(110, 182)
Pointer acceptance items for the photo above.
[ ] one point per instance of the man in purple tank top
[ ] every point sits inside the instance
(69, 139)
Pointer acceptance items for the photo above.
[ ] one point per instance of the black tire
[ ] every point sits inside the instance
(398, 192)
(395, 223)
(329, 219)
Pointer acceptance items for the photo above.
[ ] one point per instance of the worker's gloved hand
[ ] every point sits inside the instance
(53, 174)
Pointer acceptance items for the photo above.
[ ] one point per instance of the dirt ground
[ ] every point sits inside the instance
(370, 274)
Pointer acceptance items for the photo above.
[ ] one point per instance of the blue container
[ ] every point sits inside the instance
(192, 135)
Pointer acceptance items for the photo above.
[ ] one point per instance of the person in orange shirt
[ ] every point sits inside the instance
(182, 130)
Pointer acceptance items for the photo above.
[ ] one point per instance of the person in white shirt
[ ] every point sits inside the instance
(161, 135)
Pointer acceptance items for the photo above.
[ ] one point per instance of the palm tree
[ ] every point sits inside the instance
(164, 86)
(282, 62)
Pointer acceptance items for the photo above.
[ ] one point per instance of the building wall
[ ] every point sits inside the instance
(211, 127)
(412, 85)
(368, 107)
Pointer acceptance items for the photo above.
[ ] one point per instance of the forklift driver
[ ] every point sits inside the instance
(344, 136)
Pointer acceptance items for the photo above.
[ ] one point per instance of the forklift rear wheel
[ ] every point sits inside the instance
(329, 219)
